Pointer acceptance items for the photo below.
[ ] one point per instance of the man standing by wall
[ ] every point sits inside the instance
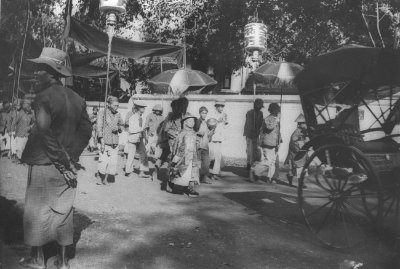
(136, 141)
(23, 124)
(252, 127)
(108, 130)
(62, 131)
(218, 138)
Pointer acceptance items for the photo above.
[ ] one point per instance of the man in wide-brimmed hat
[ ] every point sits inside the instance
(136, 140)
(62, 130)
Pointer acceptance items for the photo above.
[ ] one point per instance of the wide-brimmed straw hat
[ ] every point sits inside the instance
(56, 59)
(138, 103)
(300, 118)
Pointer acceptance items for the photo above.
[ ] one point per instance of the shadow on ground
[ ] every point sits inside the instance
(269, 204)
(204, 238)
(11, 221)
(209, 235)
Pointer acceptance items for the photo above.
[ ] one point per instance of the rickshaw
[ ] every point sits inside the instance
(350, 182)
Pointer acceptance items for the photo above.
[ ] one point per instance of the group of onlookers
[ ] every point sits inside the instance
(189, 146)
(16, 122)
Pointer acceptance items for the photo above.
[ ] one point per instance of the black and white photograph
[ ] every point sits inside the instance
(200, 134)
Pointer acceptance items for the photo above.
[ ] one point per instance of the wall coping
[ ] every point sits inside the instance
(228, 98)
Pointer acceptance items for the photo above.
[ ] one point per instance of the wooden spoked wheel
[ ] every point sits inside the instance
(340, 195)
(391, 201)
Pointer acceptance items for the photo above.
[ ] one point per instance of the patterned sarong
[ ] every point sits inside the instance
(48, 214)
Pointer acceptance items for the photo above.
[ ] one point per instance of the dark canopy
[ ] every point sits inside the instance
(98, 41)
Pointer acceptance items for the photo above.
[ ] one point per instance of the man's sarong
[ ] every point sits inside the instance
(48, 214)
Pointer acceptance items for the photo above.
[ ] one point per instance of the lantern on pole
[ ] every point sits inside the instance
(255, 34)
(112, 8)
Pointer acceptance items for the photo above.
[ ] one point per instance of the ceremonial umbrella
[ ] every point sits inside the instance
(178, 81)
(278, 75)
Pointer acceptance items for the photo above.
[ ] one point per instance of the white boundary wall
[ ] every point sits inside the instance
(236, 107)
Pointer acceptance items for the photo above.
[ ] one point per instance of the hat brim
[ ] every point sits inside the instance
(140, 105)
(193, 117)
(60, 69)
(219, 104)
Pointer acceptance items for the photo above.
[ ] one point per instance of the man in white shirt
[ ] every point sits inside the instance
(215, 145)
(136, 140)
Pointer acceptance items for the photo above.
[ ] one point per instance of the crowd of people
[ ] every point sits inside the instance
(188, 146)
(50, 135)
(172, 142)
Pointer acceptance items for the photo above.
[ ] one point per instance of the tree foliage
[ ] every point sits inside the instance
(38, 17)
(213, 31)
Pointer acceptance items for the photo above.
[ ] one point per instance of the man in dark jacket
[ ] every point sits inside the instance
(62, 130)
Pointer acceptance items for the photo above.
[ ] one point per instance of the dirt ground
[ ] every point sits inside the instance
(132, 224)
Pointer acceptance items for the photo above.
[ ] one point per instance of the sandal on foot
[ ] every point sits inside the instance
(31, 263)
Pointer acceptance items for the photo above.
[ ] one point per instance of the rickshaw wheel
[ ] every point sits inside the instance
(391, 200)
(343, 199)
